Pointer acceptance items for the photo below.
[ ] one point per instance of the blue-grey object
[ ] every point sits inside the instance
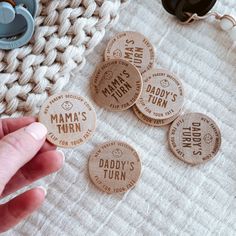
(16, 23)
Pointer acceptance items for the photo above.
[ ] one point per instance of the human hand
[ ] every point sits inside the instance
(24, 158)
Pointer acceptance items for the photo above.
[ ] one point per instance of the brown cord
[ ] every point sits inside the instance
(9, 1)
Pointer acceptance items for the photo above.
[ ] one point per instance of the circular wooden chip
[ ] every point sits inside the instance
(194, 138)
(69, 118)
(116, 85)
(133, 47)
(153, 122)
(114, 167)
(162, 95)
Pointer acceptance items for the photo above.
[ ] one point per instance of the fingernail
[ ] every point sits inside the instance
(37, 130)
(62, 156)
(43, 189)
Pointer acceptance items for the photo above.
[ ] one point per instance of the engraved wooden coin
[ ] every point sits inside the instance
(114, 167)
(194, 138)
(69, 118)
(153, 122)
(116, 85)
(133, 47)
(162, 95)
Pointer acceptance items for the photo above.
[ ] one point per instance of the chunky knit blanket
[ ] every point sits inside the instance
(171, 198)
(66, 30)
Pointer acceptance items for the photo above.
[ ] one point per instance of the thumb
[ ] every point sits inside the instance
(17, 148)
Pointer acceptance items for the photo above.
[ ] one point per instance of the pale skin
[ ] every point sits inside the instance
(25, 157)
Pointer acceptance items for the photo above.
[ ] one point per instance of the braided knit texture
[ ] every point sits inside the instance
(66, 31)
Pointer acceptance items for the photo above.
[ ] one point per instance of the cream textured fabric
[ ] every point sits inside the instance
(66, 30)
(172, 198)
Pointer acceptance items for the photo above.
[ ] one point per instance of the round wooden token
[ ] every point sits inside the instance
(162, 95)
(153, 122)
(116, 85)
(133, 47)
(69, 118)
(114, 167)
(194, 138)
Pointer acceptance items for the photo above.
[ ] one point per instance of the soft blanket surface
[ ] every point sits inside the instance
(172, 198)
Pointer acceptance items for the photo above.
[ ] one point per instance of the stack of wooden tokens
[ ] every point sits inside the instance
(127, 78)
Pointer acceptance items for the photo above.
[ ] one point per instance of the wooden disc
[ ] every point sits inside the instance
(194, 138)
(69, 118)
(153, 122)
(133, 47)
(116, 85)
(114, 167)
(162, 95)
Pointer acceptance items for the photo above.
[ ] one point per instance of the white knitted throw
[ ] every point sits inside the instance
(66, 30)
